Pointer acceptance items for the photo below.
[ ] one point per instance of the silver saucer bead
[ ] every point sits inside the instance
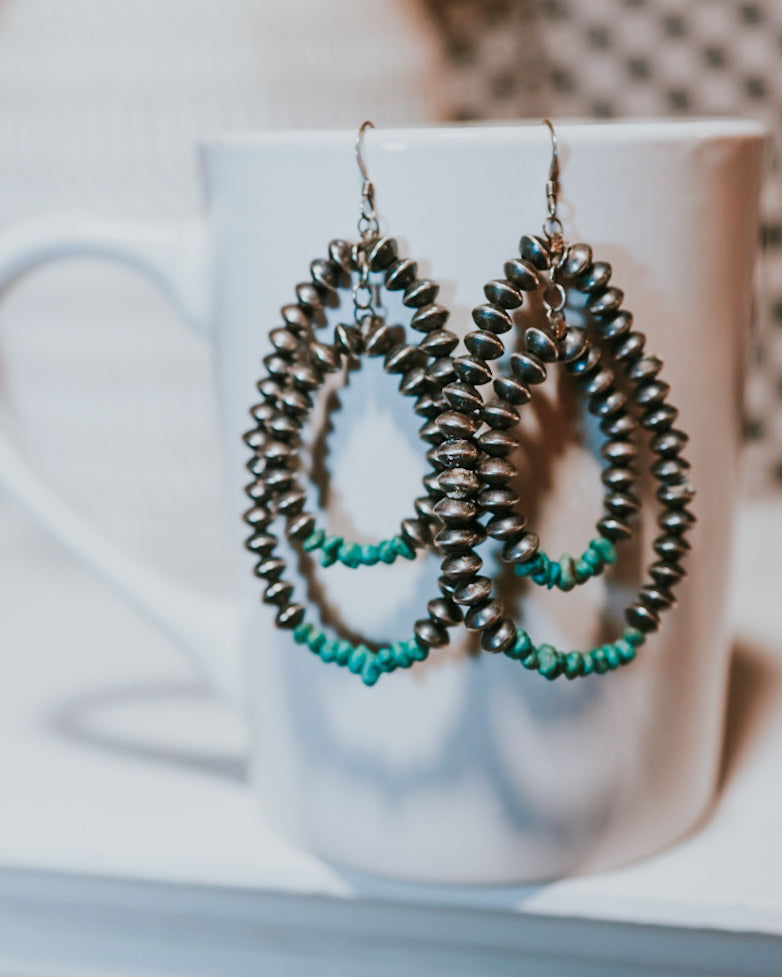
(605, 302)
(301, 526)
(500, 637)
(341, 253)
(290, 617)
(535, 251)
(522, 274)
(462, 566)
(495, 472)
(382, 254)
(456, 512)
(473, 592)
(503, 294)
(492, 319)
(585, 363)
(642, 617)
(483, 616)
(462, 397)
(429, 318)
(401, 274)
(541, 345)
(497, 501)
(660, 418)
(430, 634)
(511, 391)
(615, 327)
(669, 443)
(594, 278)
(444, 612)
(522, 549)
(472, 371)
(500, 415)
(619, 426)
(528, 368)
(483, 344)
(457, 453)
(498, 444)
(442, 371)
(441, 342)
(577, 260)
(421, 292)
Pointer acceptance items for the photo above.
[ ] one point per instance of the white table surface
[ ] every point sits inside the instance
(129, 843)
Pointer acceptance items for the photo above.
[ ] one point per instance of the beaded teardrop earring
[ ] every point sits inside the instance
(294, 371)
(560, 272)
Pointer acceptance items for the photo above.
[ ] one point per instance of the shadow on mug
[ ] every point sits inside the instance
(89, 720)
(753, 694)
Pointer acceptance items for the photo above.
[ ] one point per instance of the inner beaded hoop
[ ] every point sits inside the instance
(300, 362)
(294, 372)
(486, 479)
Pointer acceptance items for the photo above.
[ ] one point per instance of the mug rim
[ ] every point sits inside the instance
(673, 129)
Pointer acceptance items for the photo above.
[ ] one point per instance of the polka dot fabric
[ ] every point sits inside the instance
(609, 58)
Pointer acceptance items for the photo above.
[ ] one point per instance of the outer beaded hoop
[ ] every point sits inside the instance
(294, 371)
(486, 479)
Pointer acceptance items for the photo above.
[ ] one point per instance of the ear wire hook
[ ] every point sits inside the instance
(360, 149)
(553, 226)
(367, 223)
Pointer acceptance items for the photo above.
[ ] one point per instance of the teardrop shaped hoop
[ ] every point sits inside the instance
(639, 374)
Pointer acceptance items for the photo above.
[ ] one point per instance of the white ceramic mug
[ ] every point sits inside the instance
(465, 768)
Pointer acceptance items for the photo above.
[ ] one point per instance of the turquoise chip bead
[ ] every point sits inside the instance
(587, 663)
(612, 656)
(357, 658)
(344, 651)
(531, 661)
(399, 652)
(328, 557)
(369, 555)
(599, 659)
(350, 555)
(328, 652)
(573, 664)
(385, 659)
(604, 548)
(416, 651)
(554, 576)
(634, 636)
(592, 560)
(522, 645)
(370, 672)
(550, 663)
(316, 641)
(403, 548)
(386, 551)
(531, 567)
(583, 573)
(302, 632)
(625, 650)
(313, 541)
(567, 572)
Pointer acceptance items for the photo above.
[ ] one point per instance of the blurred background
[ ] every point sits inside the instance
(102, 106)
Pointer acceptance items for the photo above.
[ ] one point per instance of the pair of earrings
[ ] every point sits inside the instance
(470, 436)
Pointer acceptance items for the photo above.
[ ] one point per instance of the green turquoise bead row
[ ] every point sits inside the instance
(360, 659)
(552, 663)
(567, 572)
(335, 549)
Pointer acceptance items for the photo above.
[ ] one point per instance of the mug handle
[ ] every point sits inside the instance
(177, 259)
